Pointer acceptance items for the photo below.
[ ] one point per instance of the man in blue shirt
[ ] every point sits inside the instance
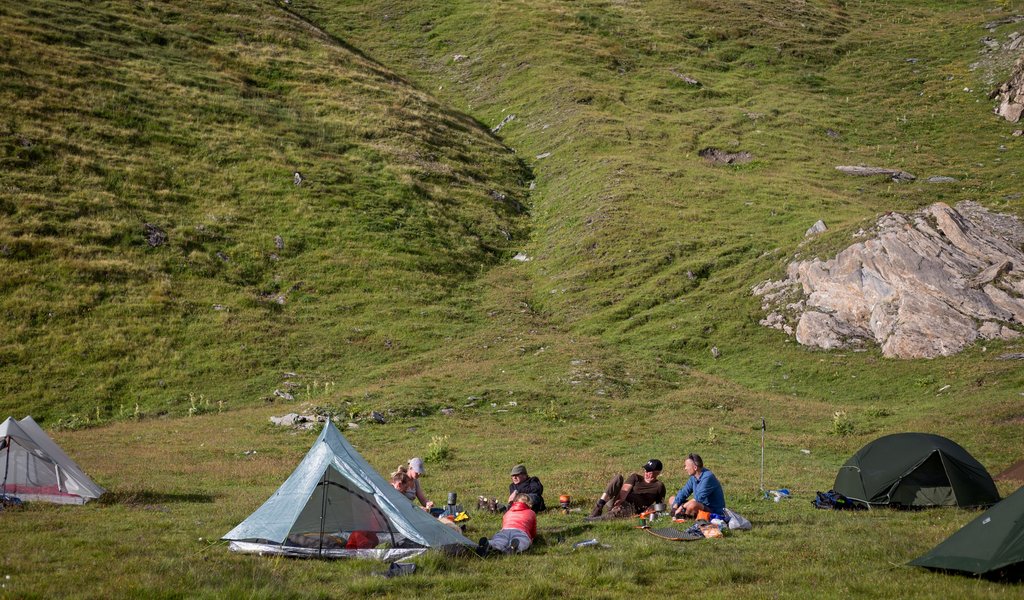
(707, 492)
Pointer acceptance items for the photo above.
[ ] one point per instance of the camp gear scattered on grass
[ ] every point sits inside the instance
(334, 491)
(33, 467)
(591, 543)
(676, 535)
(915, 470)
(991, 545)
(779, 494)
(9, 501)
(833, 500)
(315, 540)
(737, 522)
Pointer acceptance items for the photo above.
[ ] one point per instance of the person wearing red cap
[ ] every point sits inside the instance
(631, 495)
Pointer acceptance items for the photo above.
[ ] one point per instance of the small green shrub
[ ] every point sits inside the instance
(841, 424)
(878, 412)
(439, 450)
(198, 405)
(551, 412)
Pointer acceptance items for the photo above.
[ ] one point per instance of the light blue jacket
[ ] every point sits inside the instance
(705, 490)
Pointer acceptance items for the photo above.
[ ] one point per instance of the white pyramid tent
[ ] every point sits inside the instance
(33, 467)
(331, 495)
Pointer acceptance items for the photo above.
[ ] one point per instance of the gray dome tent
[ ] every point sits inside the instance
(915, 470)
(333, 495)
(33, 467)
(992, 544)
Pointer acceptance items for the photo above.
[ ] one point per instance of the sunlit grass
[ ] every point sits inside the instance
(387, 274)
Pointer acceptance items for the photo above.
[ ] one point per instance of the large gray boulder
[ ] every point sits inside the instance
(922, 285)
(1011, 94)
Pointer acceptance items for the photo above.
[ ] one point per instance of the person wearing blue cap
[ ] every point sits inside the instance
(631, 495)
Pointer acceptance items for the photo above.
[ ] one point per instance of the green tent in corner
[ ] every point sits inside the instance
(992, 544)
(915, 470)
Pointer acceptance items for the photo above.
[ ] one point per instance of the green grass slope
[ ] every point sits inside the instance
(399, 294)
(644, 246)
(193, 117)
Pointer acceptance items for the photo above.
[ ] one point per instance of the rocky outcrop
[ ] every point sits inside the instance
(923, 285)
(155, 235)
(717, 156)
(862, 171)
(1011, 94)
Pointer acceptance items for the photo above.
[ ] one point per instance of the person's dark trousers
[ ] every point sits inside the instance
(612, 492)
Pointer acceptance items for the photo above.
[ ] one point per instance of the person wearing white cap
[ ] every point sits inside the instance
(415, 491)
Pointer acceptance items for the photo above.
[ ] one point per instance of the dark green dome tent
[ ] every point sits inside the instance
(992, 544)
(911, 470)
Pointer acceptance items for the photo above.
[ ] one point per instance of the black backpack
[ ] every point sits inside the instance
(833, 500)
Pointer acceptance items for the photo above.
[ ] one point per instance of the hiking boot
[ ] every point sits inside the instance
(483, 547)
(492, 505)
(481, 503)
(515, 545)
(596, 512)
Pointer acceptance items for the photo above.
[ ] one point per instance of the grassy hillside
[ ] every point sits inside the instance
(385, 281)
(192, 118)
(650, 249)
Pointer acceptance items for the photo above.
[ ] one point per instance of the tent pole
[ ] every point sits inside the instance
(7, 464)
(762, 454)
(323, 508)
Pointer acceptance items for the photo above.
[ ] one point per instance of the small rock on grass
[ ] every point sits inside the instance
(818, 227)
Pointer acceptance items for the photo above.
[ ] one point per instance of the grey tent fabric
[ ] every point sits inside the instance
(915, 470)
(991, 544)
(331, 494)
(33, 467)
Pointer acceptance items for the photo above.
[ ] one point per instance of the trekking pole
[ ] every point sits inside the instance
(762, 455)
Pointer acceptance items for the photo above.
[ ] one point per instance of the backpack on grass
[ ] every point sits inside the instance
(833, 500)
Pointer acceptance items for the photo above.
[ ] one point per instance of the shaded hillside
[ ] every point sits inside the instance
(154, 242)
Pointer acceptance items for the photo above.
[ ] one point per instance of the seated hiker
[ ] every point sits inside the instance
(401, 481)
(522, 483)
(632, 495)
(707, 491)
(412, 489)
(518, 528)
